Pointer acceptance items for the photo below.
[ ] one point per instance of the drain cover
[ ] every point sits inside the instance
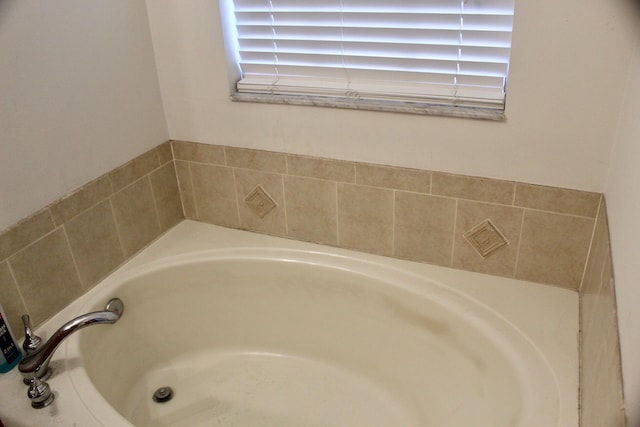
(163, 394)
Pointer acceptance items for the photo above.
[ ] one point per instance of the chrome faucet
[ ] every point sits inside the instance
(35, 365)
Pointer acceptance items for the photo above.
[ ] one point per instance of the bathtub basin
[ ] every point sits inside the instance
(293, 334)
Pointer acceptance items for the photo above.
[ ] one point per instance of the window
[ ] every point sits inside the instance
(419, 56)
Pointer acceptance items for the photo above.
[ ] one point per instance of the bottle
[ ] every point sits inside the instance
(10, 353)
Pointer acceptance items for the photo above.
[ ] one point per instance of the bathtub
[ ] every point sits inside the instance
(253, 330)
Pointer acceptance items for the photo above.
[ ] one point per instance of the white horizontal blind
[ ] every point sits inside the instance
(444, 51)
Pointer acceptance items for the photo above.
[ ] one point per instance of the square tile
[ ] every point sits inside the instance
(136, 217)
(215, 194)
(94, 242)
(554, 248)
(46, 276)
(365, 219)
(424, 227)
(311, 206)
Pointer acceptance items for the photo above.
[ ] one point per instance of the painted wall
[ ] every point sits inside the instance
(566, 82)
(623, 204)
(78, 96)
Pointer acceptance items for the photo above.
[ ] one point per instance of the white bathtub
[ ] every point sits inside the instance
(251, 330)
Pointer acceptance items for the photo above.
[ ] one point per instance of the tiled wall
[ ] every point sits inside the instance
(601, 400)
(52, 257)
(413, 214)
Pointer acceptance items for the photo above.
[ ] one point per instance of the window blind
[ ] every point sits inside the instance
(454, 52)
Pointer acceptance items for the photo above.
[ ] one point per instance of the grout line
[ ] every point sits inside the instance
(517, 261)
(180, 191)
(73, 259)
(393, 223)
(453, 239)
(155, 203)
(284, 205)
(115, 221)
(193, 193)
(235, 195)
(337, 215)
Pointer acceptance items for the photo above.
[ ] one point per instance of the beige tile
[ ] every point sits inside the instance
(424, 227)
(266, 161)
(11, 300)
(135, 215)
(165, 154)
(274, 220)
(25, 232)
(134, 169)
(554, 248)
(201, 153)
(473, 188)
(559, 200)
(599, 255)
(312, 209)
(601, 399)
(215, 195)
(393, 177)
(314, 167)
(507, 219)
(186, 189)
(365, 218)
(167, 196)
(46, 276)
(95, 244)
(81, 200)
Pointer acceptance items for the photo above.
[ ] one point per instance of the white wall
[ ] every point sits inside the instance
(78, 96)
(567, 77)
(623, 205)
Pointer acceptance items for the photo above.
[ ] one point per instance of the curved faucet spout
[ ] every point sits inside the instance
(37, 364)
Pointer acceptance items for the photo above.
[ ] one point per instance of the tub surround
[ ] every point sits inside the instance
(555, 236)
(405, 213)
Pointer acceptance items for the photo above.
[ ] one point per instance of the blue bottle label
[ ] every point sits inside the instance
(7, 345)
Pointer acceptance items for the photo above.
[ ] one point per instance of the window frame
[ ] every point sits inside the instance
(429, 108)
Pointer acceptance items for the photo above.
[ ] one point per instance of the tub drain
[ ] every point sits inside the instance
(163, 394)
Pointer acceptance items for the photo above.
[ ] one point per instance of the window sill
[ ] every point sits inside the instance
(426, 109)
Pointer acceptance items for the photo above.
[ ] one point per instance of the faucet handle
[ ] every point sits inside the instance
(40, 394)
(31, 342)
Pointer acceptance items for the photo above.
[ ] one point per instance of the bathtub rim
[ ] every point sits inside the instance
(152, 259)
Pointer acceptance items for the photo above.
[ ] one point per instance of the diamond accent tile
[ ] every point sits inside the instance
(485, 238)
(260, 202)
